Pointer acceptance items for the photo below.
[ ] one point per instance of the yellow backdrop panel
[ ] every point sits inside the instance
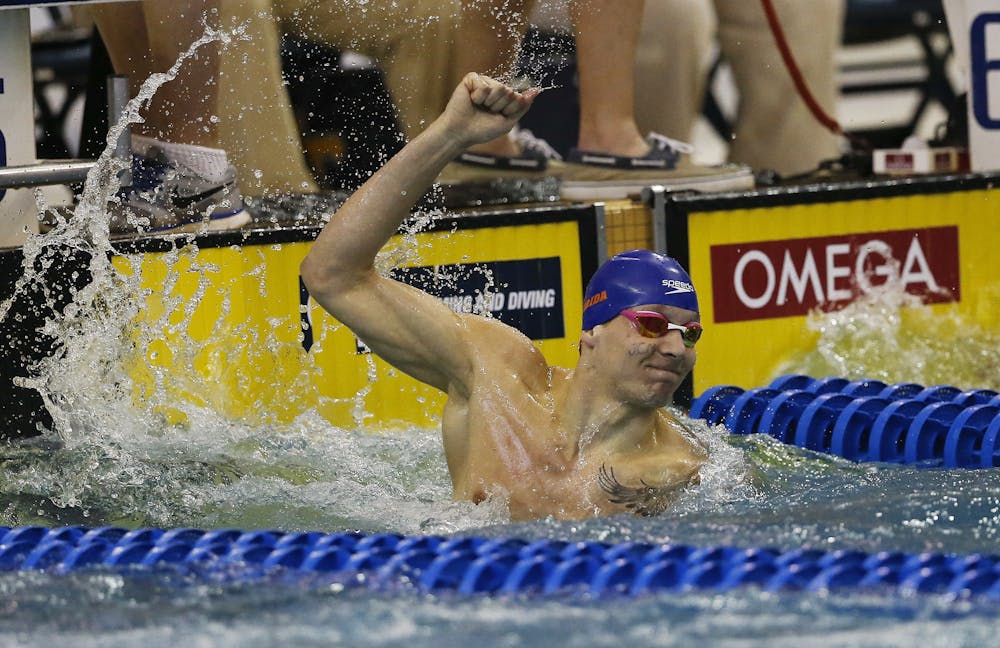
(225, 327)
(754, 266)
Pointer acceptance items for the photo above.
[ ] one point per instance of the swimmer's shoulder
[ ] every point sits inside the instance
(499, 343)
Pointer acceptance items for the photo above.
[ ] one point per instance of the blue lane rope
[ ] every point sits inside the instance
(865, 420)
(475, 565)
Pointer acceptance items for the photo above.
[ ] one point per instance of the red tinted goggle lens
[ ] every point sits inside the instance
(653, 325)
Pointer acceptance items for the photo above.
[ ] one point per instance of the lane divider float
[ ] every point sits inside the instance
(865, 420)
(492, 566)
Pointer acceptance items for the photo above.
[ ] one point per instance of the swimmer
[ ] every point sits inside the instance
(551, 441)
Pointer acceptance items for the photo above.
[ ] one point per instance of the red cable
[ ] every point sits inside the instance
(800, 83)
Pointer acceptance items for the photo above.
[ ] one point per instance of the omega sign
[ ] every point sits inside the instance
(791, 277)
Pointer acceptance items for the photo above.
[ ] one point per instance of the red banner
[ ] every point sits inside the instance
(791, 277)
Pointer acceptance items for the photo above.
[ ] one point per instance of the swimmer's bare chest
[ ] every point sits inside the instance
(508, 444)
(503, 443)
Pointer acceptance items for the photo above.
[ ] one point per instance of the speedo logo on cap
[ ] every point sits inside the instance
(677, 286)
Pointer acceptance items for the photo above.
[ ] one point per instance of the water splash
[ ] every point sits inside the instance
(893, 337)
(85, 376)
(725, 477)
(124, 450)
(308, 475)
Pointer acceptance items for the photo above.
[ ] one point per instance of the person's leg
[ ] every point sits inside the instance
(607, 35)
(256, 122)
(456, 37)
(612, 159)
(181, 109)
(412, 41)
(147, 37)
(489, 38)
(774, 128)
(123, 29)
(228, 98)
(423, 47)
(488, 41)
(177, 130)
(419, 62)
(675, 45)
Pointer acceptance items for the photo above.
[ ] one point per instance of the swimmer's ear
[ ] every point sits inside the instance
(586, 338)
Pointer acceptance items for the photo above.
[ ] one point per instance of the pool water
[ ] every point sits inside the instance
(312, 476)
(790, 499)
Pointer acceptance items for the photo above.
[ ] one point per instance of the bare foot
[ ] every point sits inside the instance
(621, 139)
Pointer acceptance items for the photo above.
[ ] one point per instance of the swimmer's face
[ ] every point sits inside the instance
(646, 371)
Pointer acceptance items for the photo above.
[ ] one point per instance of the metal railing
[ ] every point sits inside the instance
(54, 172)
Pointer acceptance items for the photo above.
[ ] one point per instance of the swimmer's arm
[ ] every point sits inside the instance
(408, 328)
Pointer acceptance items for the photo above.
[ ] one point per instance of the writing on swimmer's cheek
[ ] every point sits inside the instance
(640, 349)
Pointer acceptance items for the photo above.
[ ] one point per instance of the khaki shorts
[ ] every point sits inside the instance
(413, 42)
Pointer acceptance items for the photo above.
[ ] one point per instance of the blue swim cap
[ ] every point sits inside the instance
(633, 278)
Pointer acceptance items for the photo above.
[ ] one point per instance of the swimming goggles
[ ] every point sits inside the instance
(653, 325)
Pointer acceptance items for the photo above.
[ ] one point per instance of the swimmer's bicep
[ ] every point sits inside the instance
(408, 328)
